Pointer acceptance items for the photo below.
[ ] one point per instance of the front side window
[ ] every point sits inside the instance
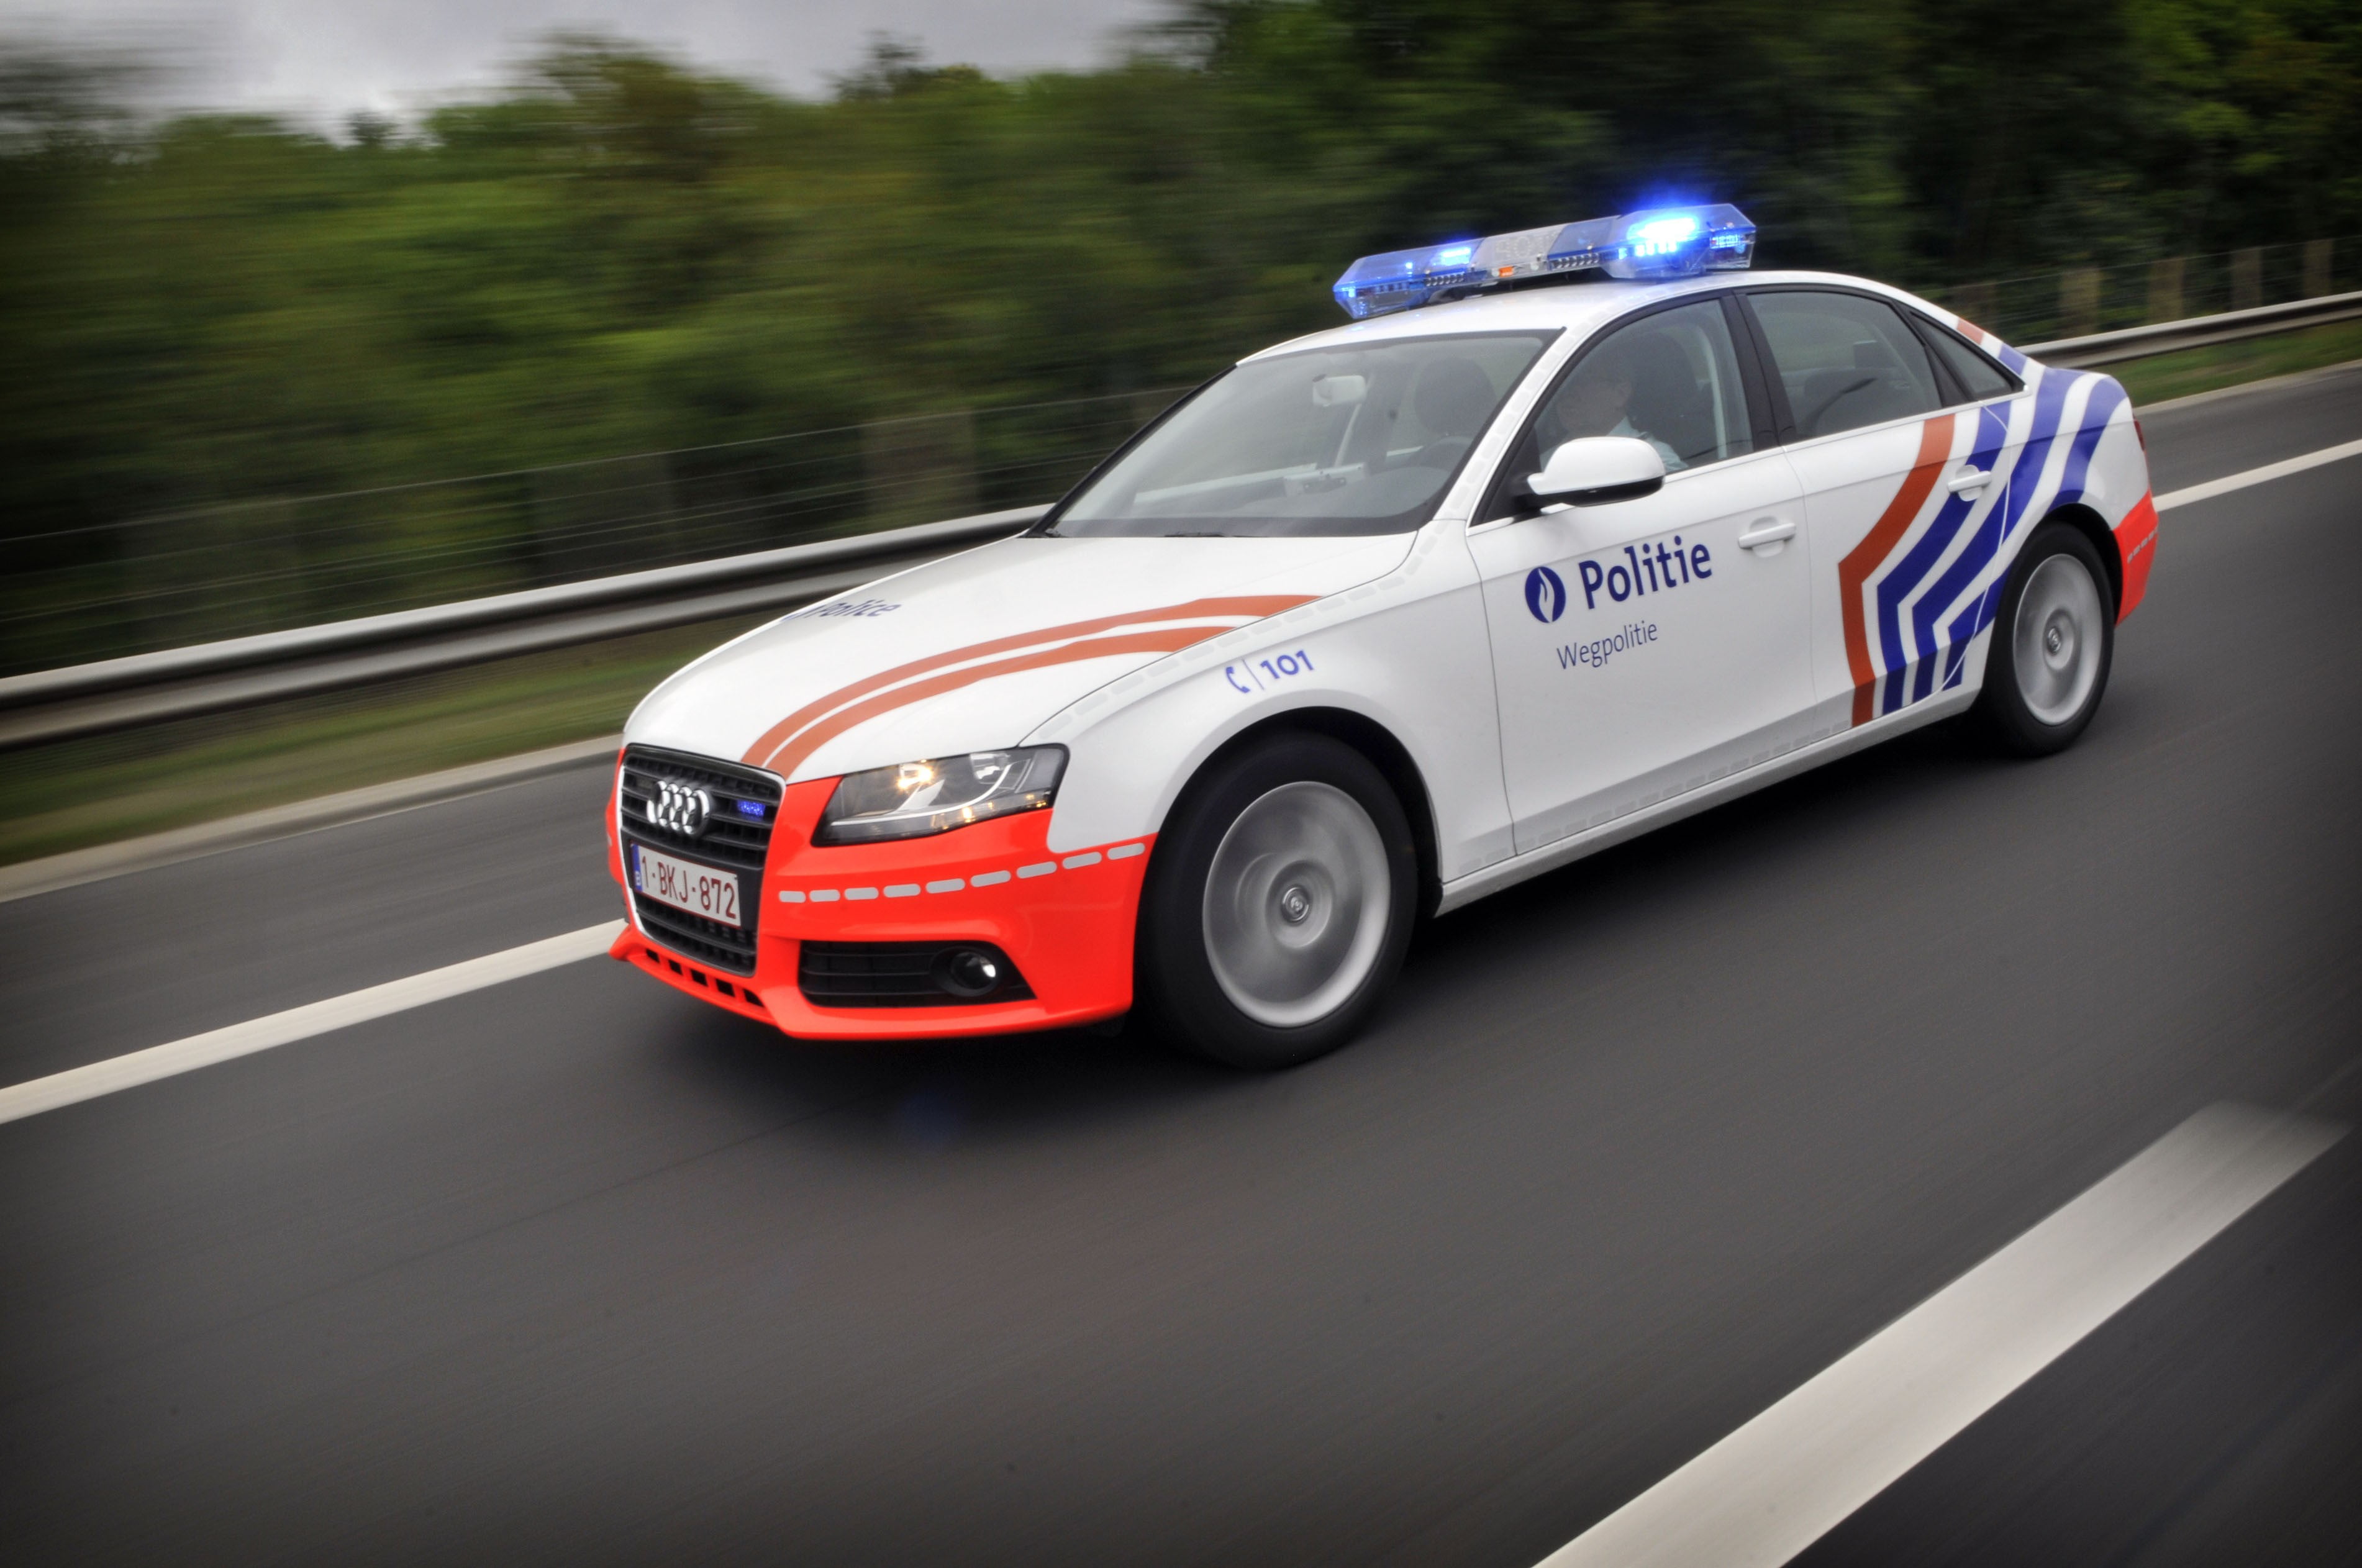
(1844, 360)
(1358, 439)
(1671, 379)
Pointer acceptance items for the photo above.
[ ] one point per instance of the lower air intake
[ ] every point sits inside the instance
(906, 974)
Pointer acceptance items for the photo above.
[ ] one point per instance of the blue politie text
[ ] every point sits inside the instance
(1651, 567)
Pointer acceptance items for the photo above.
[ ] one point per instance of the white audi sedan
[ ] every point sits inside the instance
(1568, 534)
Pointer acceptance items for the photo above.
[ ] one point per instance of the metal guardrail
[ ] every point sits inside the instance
(2196, 332)
(210, 677)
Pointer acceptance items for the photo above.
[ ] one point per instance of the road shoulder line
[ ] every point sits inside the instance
(2281, 470)
(118, 1072)
(101, 861)
(1784, 1479)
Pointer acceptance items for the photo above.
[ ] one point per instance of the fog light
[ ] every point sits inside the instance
(968, 972)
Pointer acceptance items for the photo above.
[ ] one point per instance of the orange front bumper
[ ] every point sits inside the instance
(1064, 920)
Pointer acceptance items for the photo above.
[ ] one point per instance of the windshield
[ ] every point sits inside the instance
(1361, 439)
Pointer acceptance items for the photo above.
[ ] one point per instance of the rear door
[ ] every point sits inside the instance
(1904, 474)
(1646, 647)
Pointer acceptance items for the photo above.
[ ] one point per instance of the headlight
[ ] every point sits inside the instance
(911, 800)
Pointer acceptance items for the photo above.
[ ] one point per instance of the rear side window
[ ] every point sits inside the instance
(1844, 360)
(1978, 375)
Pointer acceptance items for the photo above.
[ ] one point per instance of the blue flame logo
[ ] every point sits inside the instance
(1545, 593)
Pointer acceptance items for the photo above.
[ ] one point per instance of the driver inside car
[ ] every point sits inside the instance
(1597, 401)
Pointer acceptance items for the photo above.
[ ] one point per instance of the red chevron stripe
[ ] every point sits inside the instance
(1934, 446)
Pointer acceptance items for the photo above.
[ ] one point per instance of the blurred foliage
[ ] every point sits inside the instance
(622, 255)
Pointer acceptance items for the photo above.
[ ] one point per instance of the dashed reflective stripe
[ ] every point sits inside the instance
(1076, 862)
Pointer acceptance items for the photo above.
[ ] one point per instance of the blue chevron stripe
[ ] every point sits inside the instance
(2024, 480)
(2105, 397)
(1920, 560)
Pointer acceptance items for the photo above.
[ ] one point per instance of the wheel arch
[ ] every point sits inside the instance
(2095, 527)
(1385, 752)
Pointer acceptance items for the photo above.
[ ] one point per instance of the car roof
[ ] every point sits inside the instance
(1575, 307)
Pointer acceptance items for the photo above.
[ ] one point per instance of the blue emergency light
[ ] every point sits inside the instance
(1663, 242)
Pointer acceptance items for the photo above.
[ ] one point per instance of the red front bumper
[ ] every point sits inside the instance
(1066, 921)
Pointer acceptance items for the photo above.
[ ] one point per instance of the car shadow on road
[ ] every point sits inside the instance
(929, 1097)
(934, 1096)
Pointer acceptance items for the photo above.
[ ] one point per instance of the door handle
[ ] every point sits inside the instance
(1969, 478)
(1771, 531)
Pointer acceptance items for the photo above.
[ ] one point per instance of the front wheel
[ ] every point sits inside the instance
(2051, 646)
(1278, 905)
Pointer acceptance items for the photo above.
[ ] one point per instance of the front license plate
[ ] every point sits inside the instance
(685, 885)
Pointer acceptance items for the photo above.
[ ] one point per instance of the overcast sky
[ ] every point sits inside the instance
(324, 58)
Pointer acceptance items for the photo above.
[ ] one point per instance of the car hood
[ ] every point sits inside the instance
(974, 651)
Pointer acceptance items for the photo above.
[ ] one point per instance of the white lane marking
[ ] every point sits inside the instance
(1780, 1483)
(2225, 485)
(75, 1084)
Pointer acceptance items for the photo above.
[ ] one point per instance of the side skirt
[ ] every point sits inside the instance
(1575, 847)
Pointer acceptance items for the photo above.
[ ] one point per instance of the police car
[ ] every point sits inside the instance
(1380, 621)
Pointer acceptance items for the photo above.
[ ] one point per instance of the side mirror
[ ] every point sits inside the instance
(1595, 469)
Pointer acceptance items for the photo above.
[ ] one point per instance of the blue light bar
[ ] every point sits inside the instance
(1663, 242)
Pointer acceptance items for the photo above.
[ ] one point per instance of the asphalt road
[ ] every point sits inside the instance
(574, 1269)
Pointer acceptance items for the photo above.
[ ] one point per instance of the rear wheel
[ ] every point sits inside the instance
(2051, 646)
(1278, 905)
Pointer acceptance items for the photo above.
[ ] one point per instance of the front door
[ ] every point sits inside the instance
(1644, 648)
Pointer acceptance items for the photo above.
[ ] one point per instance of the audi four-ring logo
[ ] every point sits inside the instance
(678, 809)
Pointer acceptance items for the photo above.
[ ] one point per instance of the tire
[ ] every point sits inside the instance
(2052, 644)
(1278, 904)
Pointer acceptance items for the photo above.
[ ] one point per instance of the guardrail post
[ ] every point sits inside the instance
(2316, 267)
(2165, 288)
(2247, 278)
(921, 469)
(2079, 302)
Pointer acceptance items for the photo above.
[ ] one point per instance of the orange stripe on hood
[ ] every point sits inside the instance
(1934, 446)
(774, 740)
(1164, 639)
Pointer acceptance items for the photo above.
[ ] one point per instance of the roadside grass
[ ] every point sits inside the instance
(2233, 364)
(77, 793)
(105, 788)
